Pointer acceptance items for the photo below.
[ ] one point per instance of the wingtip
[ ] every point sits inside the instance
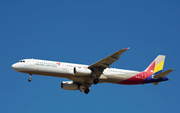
(171, 69)
(127, 48)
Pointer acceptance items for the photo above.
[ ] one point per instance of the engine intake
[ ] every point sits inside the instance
(82, 71)
(69, 85)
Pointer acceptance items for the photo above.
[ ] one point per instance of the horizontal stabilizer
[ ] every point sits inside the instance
(163, 74)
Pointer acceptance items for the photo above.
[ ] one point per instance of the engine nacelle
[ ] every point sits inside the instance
(69, 85)
(82, 71)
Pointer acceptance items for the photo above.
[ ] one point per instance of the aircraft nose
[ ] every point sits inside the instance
(15, 66)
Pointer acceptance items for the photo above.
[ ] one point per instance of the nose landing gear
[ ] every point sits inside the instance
(30, 78)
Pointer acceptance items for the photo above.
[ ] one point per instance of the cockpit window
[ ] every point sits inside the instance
(21, 61)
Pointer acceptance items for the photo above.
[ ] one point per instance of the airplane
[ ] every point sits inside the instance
(83, 76)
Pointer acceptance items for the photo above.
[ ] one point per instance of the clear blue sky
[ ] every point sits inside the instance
(85, 32)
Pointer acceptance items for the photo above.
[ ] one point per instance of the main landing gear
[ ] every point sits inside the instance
(87, 90)
(30, 78)
(96, 81)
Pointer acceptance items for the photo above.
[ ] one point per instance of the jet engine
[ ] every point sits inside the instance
(82, 71)
(69, 85)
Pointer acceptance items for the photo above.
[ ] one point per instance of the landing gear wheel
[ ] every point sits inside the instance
(87, 90)
(29, 79)
(96, 81)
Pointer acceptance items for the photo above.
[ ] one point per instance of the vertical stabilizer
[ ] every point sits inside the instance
(156, 66)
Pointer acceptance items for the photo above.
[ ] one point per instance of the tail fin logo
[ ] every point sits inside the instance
(58, 63)
(156, 66)
(159, 67)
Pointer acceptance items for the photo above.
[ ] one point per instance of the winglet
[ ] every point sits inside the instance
(127, 48)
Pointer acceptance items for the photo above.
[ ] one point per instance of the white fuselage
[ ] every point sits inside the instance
(66, 70)
(83, 76)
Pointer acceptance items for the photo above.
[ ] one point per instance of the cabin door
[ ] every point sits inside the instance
(32, 62)
(143, 75)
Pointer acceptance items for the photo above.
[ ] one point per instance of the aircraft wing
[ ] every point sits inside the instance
(99, 66)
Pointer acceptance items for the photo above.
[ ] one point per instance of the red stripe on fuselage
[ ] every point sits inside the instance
(137, 79)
